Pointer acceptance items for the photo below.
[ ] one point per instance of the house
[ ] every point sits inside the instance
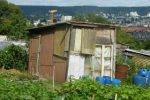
(140, 57)
(61, 50)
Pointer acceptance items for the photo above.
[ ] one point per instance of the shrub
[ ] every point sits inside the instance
(87, 89)
(13, 57)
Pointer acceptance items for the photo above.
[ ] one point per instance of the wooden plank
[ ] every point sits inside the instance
(102, 70)
(111, 62)
(38, 56)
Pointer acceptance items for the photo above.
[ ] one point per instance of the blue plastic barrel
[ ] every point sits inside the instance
(148, 73)
(143, 72)
(107, 79)
(140, 81)
(116, 82)
(100, 80)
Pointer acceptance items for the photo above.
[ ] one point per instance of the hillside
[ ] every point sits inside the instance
(72, 10)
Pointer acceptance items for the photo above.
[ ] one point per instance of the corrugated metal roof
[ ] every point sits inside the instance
(141, 52)
(82, 24)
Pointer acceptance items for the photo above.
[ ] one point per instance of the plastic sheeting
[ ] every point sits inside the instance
(76, 66)
(93, 64)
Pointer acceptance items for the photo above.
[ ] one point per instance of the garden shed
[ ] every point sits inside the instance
(140, 57)
(65, 49)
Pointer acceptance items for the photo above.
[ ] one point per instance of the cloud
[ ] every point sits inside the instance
(83, 2)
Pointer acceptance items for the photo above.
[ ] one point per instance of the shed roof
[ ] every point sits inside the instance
(73, 23)
(141, 52)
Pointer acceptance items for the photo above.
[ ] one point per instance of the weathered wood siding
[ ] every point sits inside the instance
(140, 59)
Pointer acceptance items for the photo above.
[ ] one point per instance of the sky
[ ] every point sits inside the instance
(101, 3)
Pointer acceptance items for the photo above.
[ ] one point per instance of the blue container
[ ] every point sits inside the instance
(100, 80)
(148, 73)
(143, 72)
(148, 83)
(107, 79)
(140, 81)
(116, 82)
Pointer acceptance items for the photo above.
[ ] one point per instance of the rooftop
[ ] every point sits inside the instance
(81, 24)
(141, 52)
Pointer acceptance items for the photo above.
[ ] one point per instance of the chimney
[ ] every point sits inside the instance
(52, 16)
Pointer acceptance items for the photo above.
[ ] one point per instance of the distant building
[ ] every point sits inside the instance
(139, 32)
(36, 23)
(66, 18)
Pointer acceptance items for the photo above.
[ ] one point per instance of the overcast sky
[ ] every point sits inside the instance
(83, 2)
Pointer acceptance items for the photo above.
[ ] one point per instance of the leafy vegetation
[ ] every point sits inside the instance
(13, 57)
(12, 22)
(124, 38)
(87, 89)
(82, 89)
(29, 90)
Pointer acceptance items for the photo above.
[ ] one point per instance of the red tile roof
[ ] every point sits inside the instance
(137, 29)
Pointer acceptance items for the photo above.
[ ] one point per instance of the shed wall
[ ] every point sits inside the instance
(33, 54)
(46, 55)
(140, 59)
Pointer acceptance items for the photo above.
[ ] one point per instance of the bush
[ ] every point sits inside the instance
(13, 57)
(87, 89)
(30, 90)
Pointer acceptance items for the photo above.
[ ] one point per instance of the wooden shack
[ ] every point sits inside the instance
(61, 50)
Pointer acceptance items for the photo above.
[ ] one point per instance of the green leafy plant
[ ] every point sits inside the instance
(88, 89)
(13, 57)
(29, 90)
(120, 59)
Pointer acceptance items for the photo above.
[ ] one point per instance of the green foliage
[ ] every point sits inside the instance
(146, 44)
(13, 57)
(90, 17)
(120, 59)
(87, 89)
(79, 89)
(83, 89)
(124, 38)
(28, 90)
(12, 22)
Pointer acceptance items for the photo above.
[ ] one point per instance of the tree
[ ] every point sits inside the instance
(12, 22)
(90, 17)
(124, 38)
